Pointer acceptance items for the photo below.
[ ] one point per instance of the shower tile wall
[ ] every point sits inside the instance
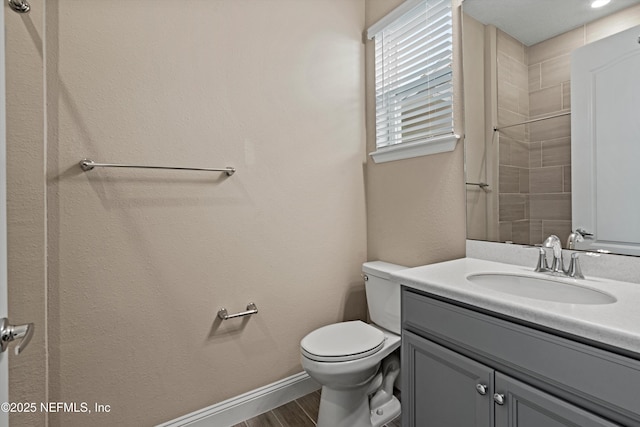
(513, 107)
(535, 159)
(550, 162)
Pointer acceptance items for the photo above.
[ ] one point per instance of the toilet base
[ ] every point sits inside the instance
(385, 413)
(350, 408)
(344, 408)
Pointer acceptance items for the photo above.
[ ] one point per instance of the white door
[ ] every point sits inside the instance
(4, 357)
(605, 144)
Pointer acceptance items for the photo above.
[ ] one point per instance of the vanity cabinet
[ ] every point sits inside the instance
(442, 386)
(526, 406)
(461, 367)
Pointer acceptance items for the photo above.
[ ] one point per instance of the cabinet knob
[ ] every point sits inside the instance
(481, 388)
(498, 398)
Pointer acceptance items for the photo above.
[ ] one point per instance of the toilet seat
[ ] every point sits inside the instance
(342, 342)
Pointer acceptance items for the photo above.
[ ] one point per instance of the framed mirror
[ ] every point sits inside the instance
(518, 115)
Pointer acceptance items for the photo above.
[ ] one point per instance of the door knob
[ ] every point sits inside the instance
(481, 388)
(10, 333)
(498, 398)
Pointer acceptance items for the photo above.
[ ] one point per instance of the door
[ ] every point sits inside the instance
(520, 405)
(605, 100)
(442, 388)
(4, 357)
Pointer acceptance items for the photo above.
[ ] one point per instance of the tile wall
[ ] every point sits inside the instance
(550, 140)
(514, 148)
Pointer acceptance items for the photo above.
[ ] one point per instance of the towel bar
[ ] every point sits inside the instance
(88, 164)
(251, 309)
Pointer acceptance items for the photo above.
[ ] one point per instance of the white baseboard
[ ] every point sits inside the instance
(237, 409)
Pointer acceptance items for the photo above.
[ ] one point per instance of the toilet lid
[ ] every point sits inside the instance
(342, 341)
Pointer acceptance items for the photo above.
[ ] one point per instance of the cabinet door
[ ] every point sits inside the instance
(442, 388)
(525, 406)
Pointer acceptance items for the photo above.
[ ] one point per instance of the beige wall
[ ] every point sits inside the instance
(476, 146)
(26, 217)
(140, 261)
(415, 207)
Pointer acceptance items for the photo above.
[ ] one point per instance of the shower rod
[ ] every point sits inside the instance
(88, 164)
(496, 129)
(20, 6)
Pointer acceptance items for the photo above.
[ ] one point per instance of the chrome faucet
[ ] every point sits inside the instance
(574, 267)
(543, 265)
(557, 266)
(578, 236)
(553, 242)
(574, 238)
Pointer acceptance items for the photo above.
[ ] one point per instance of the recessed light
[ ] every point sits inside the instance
(599, 3)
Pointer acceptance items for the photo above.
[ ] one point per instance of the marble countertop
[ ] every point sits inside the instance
(616, 324)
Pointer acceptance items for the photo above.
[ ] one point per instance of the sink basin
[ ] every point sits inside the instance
(540, 288)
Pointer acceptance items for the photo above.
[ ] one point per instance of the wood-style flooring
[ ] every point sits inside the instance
(301, 412)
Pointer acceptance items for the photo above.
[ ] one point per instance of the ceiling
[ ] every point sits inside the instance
(532, 21)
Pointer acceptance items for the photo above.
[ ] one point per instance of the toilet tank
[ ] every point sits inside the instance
(383, 296)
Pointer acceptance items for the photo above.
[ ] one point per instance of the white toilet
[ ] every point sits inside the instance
(346, 358)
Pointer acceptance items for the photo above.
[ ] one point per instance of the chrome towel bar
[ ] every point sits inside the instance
(251, 309)
(88, 164)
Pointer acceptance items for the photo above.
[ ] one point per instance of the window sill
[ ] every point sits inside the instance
(441, 144)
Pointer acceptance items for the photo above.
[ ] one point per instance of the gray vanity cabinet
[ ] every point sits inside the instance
(463, 368)
(448, 389)
(443, 387)
(526, 406)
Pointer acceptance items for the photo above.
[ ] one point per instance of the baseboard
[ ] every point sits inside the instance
(237, 409)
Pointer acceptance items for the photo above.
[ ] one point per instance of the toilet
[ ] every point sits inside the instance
(355, 362)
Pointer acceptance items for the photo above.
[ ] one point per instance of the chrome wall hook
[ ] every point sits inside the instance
(20, 6)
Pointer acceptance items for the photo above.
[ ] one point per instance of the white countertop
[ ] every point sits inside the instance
(616, 324)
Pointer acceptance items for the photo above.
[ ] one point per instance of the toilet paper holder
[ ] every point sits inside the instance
(251, 309)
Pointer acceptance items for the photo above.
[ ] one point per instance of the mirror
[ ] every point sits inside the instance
(517, 102)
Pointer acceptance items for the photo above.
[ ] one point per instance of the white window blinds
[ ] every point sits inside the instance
(413, 60)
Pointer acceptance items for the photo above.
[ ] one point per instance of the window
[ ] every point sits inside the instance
(414, 80)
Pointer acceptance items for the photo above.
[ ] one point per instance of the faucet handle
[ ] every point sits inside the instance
(574, 267)
(574, 237)
(584, 233)
(543, 265)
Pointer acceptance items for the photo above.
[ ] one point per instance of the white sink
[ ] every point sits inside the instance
(540, 288)
(597, 309)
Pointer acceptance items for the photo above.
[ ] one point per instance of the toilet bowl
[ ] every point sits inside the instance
(355, 361)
